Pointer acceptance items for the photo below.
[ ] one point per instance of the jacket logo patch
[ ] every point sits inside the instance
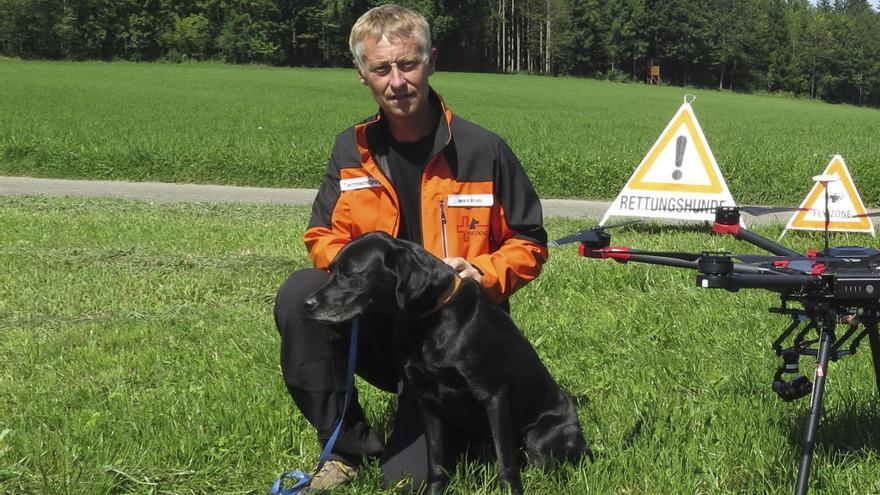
(465, 200)
(358, 183)
(469, 227)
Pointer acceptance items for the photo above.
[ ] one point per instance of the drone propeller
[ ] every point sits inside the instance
(756, 211)
(868, 215)
(589, 235)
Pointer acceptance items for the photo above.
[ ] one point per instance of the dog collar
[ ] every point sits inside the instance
(446, 296)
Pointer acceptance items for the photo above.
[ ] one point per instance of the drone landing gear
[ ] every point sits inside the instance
(874, 340)
(830, 349)
(812, 426)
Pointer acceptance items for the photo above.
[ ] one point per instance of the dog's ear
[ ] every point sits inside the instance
(420, 280)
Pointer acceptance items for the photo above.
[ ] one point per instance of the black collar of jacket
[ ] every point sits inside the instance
(379, 146)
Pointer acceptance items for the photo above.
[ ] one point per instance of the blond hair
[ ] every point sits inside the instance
(392, 22)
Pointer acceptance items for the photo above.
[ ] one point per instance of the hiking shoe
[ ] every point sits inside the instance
(332, 474)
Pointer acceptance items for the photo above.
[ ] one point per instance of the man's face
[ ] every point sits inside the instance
(397, 74)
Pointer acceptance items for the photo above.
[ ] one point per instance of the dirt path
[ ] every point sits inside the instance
(164, 192)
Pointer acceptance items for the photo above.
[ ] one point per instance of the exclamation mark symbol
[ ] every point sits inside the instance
(680, 144)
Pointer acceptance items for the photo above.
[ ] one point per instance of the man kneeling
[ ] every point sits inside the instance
(417, 172)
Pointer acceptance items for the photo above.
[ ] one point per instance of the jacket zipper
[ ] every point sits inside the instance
(443, 228)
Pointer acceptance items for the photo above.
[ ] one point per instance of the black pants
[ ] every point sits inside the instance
(314, 358)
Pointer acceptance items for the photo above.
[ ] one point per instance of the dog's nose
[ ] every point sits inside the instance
(310, 304)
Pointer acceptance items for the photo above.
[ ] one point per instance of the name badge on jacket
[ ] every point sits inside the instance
(467, 200)
(358, 183)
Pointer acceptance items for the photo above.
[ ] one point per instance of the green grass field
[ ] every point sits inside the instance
(254, 125)
(138, 355)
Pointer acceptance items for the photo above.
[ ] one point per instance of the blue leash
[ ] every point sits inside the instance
(303, 479)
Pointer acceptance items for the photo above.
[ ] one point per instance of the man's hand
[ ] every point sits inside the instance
(464, 269)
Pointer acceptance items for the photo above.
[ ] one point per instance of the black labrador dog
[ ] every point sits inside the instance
(469, 366)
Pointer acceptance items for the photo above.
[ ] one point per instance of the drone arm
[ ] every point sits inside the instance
(741, 233)
(623, 254)
(753, 270)
(663, 261)
(779, 283)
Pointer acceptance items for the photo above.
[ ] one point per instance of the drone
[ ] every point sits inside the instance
(819, 290)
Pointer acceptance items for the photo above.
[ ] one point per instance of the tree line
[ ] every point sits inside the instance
(828, 50)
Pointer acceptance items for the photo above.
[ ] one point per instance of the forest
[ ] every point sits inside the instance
(826, 49)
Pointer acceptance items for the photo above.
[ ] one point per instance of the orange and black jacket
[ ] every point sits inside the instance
(476, 202)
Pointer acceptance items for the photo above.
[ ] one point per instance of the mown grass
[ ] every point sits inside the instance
(254, 125)
(138, 355)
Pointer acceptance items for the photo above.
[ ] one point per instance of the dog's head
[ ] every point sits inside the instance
(380, 274)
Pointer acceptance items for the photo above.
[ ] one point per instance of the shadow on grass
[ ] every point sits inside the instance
(846, 436)
(848, 432)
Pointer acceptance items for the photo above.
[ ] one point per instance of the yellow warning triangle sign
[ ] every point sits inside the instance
(678, 178)
(668, 166)
(844, 203)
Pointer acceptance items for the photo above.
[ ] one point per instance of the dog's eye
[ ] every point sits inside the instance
(344, 271)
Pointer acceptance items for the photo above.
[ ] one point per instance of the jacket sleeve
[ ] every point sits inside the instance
(517, 229)
(326, 234)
